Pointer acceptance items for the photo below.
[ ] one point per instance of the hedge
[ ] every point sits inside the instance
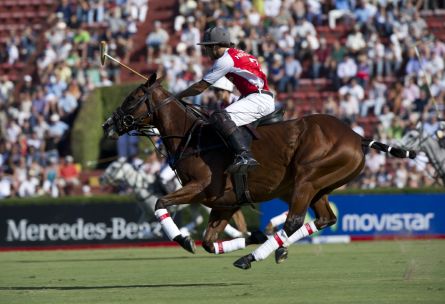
(87, 134)
(107, 198)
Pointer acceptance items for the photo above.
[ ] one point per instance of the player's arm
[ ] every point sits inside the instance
(195, 89)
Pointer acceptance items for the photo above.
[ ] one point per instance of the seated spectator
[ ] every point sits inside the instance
(27, 187)
(355, 41)
(314, 12)
(6, 188)
(375, 160)
(386, 118)
(376, 97)
(51, 178)
(138, 9)
(342, 9)
(69, 175)
(156, 41)
(364, 12)
(349, 107)
(431, 125)
(354, 89)
(292, 73)
(347, 69)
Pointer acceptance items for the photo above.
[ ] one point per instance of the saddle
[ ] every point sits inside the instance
(193, 145)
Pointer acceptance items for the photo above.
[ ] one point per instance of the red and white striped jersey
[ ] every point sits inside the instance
(240, 68)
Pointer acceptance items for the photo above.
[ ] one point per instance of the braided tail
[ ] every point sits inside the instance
(394, 151)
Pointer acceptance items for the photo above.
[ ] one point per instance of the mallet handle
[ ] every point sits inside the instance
(126, 66)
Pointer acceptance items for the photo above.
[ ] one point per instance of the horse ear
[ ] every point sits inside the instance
(419, 125)
(151, 80)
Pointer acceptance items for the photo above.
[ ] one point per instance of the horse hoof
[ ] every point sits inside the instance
(281, 255)
(244, 262)
(186, 242)
(257, 237)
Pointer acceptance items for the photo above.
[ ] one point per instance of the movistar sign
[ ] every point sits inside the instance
(386, 222)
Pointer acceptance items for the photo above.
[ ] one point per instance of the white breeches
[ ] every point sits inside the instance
(251, 108)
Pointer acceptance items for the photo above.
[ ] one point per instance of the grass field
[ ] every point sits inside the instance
(374, 272)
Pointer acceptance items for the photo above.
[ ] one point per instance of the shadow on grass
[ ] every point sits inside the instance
(199, 257)
(120, 286)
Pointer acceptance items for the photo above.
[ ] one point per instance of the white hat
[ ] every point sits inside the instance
(54, 118)
(223, 84)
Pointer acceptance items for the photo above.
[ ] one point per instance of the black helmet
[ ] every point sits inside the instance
(217, 35)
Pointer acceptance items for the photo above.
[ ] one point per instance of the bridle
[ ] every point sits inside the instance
(125, 122)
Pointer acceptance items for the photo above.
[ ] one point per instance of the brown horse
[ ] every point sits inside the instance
(301, 161)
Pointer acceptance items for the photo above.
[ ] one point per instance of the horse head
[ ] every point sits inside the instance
(412, 140)
(135, 113)
(115, 172)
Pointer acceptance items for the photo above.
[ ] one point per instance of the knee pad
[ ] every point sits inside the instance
(222, 122)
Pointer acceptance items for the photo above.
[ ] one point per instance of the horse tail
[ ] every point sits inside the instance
(394, 151)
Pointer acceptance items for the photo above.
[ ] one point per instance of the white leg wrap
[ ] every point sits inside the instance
(167, 223)
(270, 245)
(304, 231)
(279, 219)
(232, 232)
(229, 246)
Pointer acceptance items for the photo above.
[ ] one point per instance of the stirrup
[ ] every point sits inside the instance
(243, 163)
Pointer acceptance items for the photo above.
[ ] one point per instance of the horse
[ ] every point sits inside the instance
(417, 139)
(302, 161)
(149, 187)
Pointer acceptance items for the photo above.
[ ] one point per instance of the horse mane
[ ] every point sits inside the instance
(197, 111)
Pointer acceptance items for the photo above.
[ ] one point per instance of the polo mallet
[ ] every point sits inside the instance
(104, 55)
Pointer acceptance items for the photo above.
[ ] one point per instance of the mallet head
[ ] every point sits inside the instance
(103, 51)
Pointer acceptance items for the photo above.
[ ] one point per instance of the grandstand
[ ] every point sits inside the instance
(50, 48)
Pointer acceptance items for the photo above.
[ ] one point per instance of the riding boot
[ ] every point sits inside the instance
(244, 160)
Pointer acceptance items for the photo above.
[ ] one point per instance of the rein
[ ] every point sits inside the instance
(129, 122)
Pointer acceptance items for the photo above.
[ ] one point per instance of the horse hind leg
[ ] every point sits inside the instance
(324, 217)
(309, 188)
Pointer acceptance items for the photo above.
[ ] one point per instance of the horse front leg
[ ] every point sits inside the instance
(218, 220)
(191, 193)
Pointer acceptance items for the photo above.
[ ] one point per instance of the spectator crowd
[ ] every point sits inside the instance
(36, 119)
(362, 51)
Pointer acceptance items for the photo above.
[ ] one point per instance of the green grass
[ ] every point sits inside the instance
(374, 272)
